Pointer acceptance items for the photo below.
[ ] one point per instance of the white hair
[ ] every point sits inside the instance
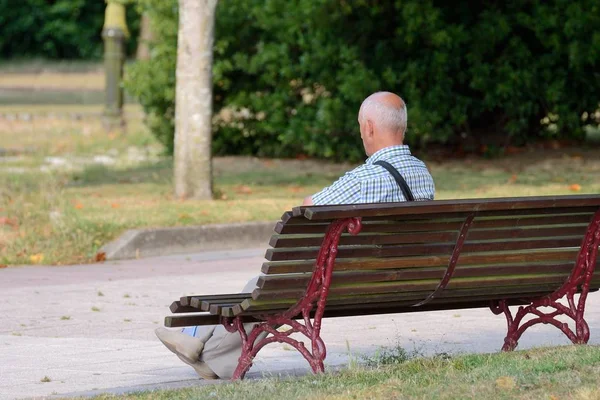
(384, 114)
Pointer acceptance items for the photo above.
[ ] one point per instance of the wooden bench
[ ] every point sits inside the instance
(411, 257)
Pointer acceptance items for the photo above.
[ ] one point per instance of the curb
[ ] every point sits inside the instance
(136, 243)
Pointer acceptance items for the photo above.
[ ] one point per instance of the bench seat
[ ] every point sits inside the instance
(421, 256)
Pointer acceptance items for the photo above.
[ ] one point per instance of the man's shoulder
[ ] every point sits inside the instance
(365, 172)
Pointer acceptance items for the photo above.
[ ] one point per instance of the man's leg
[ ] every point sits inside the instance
(222, 351)
(211, 344)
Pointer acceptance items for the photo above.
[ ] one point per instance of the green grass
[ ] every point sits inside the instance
(569, 372)
(59, 203)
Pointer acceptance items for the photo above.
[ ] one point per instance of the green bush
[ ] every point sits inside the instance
(57, 29)
(289, 75)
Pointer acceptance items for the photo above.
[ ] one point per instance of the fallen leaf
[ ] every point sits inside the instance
(100, 257)
(223, 196)
(185, 217)
(36, 258)
(512, 179)
(513, 150)
(115, 205)
(294, 189)
(13, 222)
(78, 206)
(505, 382)
(268, 163)
(204, 212)
(575, 187)
(3, 266)
(244, 189)
(553, 397)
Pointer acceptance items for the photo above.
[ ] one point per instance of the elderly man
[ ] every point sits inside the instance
(390, 174)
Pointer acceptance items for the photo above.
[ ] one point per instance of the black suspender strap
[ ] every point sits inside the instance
(399, 179)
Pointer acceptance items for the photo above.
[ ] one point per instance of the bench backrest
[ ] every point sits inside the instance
(510, 247)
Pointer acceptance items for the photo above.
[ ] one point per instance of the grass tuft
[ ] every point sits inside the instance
(546, 373)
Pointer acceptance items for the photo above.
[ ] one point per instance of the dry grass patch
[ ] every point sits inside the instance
(93, 80)
(67, 187)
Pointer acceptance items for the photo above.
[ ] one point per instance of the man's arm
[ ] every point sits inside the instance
(346, 190)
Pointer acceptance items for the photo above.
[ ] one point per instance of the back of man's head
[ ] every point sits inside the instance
(387, 111)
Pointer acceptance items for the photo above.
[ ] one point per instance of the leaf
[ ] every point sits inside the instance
(36, 258)
(115, 205)
(512, 179)
(100, 256)
(294, 189)
(575, 187)
(78, 206)
(185, 218)
(243, 189)
(3, 266)
(505, 382)
(12, 222)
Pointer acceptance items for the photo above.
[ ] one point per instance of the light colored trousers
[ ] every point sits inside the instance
(222, 349)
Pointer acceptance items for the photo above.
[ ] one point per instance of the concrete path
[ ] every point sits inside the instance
(85, 330)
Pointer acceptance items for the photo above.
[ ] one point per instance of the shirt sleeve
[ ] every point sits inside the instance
(346, 190)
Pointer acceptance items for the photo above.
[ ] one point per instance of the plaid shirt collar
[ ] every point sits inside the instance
(389, 152)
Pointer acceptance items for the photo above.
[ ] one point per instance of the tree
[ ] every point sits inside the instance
(143, 51)
(193, 99)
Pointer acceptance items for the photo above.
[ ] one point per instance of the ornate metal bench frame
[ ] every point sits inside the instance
(318, 289)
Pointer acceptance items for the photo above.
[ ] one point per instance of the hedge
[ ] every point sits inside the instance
(289, 75)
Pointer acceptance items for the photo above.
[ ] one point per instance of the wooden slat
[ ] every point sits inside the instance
(372, 239)
(283, 267)
(187, 300)
(180, 321)
(453, 216)
(431, 237)
(209, 319)
(261, 305)
(237, 310)
(176, 307)
(393, 226)
(271, 282)
(222, 309)
(197, 301)
(416, 285)
(450, 206)
(486, 214)
(424, 249)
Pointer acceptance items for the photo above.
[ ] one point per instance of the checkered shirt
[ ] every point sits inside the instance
(370, 183)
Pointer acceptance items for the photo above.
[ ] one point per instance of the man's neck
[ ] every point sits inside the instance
(386, 145)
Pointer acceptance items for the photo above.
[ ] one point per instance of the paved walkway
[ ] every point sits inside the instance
(84, 330)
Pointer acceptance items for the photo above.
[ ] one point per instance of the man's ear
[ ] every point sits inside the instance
(370, 129)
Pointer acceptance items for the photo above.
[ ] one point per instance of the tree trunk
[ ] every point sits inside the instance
(143, 50)
(193, 102)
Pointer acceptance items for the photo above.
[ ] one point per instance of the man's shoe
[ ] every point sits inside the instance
(204, 371)
(186, 347)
